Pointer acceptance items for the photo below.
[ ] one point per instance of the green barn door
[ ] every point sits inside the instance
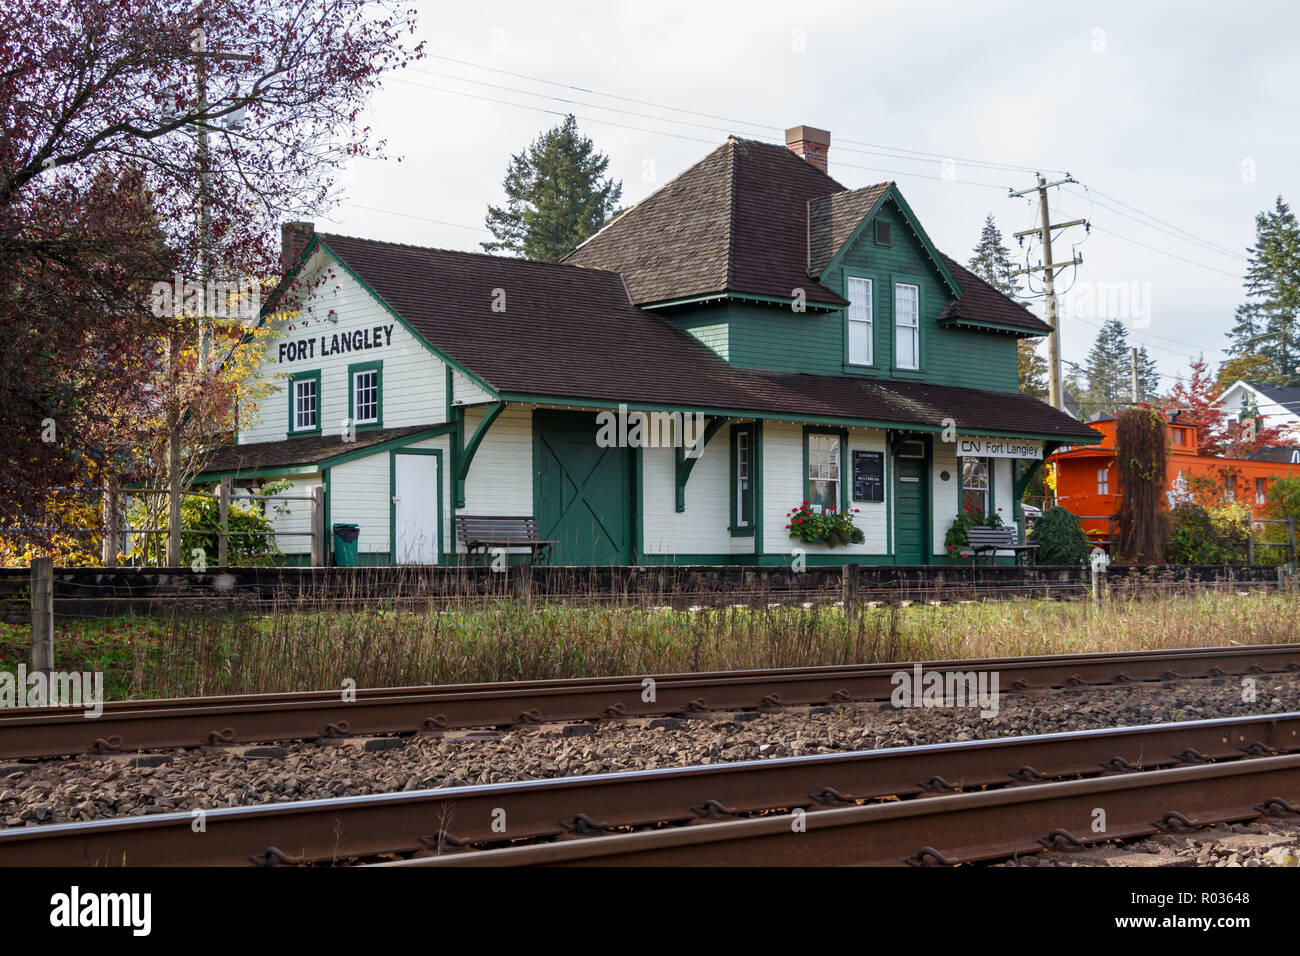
(583, 494)
(910, 546)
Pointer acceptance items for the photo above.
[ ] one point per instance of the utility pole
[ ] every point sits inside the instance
(1134, 397)
(1048, 267)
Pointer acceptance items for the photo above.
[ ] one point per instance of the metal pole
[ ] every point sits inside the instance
(1049, 284)
(42, 588)
(1290, 540)
(223, 515)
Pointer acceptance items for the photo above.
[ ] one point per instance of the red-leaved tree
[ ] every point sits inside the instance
(1215, 435)
(142, 139)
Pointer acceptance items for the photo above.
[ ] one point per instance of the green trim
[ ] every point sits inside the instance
(293, 404)
(329, 529)
(684, 464)
(758, 487)
(893, 195)
(638, 500)
(465, 456)
(376, 366)
(844, 445)
(892, 442)
(830, 420)
(742, 530)
(392, 503)
(786, 301)
(1015, 330)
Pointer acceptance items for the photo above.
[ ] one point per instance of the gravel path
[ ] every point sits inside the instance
(94, 787)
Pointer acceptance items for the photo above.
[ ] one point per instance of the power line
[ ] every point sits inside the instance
(1195, 240)
(1223, 249)
(407, 215)
(1171, 255)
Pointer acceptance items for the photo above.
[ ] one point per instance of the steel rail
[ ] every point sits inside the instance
(442, 820)
(130, 726)
(965, 828)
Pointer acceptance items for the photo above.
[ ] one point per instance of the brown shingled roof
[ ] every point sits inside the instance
(571, 333)
(981, 304)
(832, 220)
(736, 221)
(293, 452)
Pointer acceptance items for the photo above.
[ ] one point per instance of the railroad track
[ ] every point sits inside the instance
(882, 806)
(131, 726)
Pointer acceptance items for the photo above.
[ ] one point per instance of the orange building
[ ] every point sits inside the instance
(1087, 480)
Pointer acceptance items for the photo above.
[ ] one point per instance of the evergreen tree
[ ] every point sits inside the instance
(1266, 323)
(557, 196)
(1108, 376)
(991, 261)
(1148, 377)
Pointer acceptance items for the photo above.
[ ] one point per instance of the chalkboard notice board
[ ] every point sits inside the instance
(868, 476)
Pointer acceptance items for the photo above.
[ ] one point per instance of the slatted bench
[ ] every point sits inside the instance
(482, 533)
(982, 539)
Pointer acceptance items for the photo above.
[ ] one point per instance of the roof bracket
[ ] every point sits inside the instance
(465, 457)
(686, 463)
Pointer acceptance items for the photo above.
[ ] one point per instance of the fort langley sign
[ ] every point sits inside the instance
(998, 448)
(355, 341)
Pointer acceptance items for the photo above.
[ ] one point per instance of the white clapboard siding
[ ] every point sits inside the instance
(414, 382)
(704, 527)
(465, 391)
(359, 494)
(500, 479)
(783, 489)
(293, 516)
(945, 496)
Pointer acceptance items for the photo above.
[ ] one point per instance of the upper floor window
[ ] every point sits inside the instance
(975, 484)
(860, 322)
(1180, 436)
(907, 314)
(823, 470)
(304, 402)
(1261, 491)
(365, 391)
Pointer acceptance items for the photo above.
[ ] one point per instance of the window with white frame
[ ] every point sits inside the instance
(743, 492)
(365, 396)
(975, 485)
(1261, 491)
(907, 332)
(306, 404)
(823, 470)
(1103, 481)
(861, 329)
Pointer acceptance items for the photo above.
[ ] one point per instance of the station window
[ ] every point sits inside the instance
(861, 327)
(907, 311)
(742, 479)
(975, 484)
(304, 403)
(365, 391)
(823, 480)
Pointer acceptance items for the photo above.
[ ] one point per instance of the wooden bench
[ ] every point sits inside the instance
(982, 539)
(484, 532)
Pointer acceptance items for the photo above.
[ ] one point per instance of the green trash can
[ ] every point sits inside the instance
(345, 544)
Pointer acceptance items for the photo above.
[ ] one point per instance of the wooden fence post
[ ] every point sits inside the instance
(223, 516)
(318, 549)
(850, 578)
(42, 588)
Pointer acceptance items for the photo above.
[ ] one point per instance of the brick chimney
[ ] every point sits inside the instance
(294, 237)
(810, 143)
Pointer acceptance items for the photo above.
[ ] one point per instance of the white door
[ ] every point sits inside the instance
(415, 509)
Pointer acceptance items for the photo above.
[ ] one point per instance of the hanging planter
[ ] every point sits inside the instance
(835, 529)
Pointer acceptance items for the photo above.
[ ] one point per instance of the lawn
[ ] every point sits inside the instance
(296, 647)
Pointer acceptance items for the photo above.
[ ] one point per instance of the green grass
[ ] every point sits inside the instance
(298, 647)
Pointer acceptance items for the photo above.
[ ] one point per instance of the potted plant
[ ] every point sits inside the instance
(970, 517)
(830, 527)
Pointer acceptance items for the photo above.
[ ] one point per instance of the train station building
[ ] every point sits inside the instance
(750, 337)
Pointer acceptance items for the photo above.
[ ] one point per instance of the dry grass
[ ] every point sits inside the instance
(298, 648)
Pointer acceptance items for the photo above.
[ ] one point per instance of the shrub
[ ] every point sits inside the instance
(1192, 538)
(1059, 538)
(956, 538)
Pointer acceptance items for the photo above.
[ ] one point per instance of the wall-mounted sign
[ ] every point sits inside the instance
(998, 448)
(335, 343)
(868, 476)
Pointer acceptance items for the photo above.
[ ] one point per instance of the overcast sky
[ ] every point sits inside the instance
(1177, 120)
